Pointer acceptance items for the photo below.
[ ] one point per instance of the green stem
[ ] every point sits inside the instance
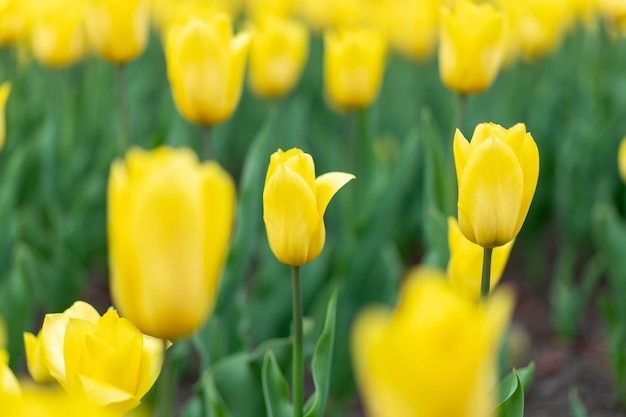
(461, 104)
(122, 108)
(298, 363)
(166, 388)
(207, 142)
(485, 283)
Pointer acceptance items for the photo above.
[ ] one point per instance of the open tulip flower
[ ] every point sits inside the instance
(170, 220)
(497, 175)
(105, 359)
(205, 66)
(471, 46)
(294, 202)
(118, 29)
(434, 356)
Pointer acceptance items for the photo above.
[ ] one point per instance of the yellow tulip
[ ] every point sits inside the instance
(411, 26)
(58, 37)
(170, 13)
(205, 65)
(14, 21)
(104, 360)
(278, 52)
(294, 203)
(497, 175)
(10, 389)
(118, 29)
(434, 355)
(471, 46)
(466, 262)
(35, 358)
(614, 12)
(280, 8)
(354, 63)
(169, 224)
(621, 159)
(5, 90)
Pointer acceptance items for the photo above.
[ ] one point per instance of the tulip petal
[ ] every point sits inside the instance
(327, 185)
(35, 359)
(290, 214)
(106, 395)
(529, 161)
(461, 149)
(490, 194)
(151, 364)
(237, 67)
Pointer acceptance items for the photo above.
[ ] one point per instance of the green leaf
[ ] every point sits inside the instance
(322, 363)
(526, 376)
(213, 404)
(511, 395)
(275, 388)
(576, 404)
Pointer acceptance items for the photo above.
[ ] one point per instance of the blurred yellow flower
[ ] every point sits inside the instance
(279, 8)
(294, 203)
(614, 12)
(497, 175)
(278, 52)
(205, 65)
(14, 21)
(170, 13)
(471, 46)
(36, 402)
(435, 355)
(621, 159)
(411, 26)
(10, 389)
(118, 29)
(5, 90)
(466, 262)
(354, 63)
(170, 220)
(104, 360)
(35, 358)
(58, 37)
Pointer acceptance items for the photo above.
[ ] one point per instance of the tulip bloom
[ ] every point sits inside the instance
(354, 62)
(169, 224)
(294, 203)
(471, 46)
(497, 175)
(5, 90)
(58, 37)
(466, 260)
(105, 360)
(205, 66)
(52, 403)
(278, 53)
(435, 355)
(35, 358)
(118, 29)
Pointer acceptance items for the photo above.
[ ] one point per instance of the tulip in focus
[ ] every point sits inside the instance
(58, 36)
(434, 355)
(294, 203)
(471, 46)
(35, 358)
(497, 175)
(5, 90)
(104, 360)
(205, 66)
(466, 262)
(354, 63)
(278, 52)
(118, 29)
(169, 225)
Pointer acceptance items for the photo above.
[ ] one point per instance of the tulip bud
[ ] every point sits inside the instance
(169, 224)
(354, 62)
(466, 262)
(105, 360)
(294, 203)
(5, 89)
(118, 29)
(497, 175)
(409, 361)
(471, 46)
(205, 66)
(278, 52)
(58, 37)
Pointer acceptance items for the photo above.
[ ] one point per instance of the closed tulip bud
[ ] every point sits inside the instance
(35, 358)
(58, 37)
(434, 355)
(497, 175)
(104, 360)
(5, 90)
(466, 262)
(169, 224)
(278, 52)
(118, 29)
(294, 203)
(354, 63)
(205, 65)
(471, 46)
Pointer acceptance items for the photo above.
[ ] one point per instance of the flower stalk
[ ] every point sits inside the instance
(485, 284)
(298, 363)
